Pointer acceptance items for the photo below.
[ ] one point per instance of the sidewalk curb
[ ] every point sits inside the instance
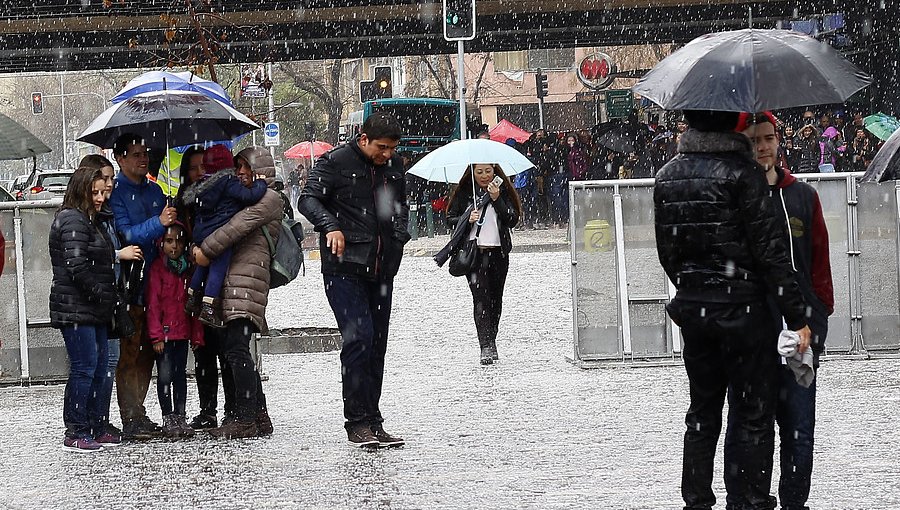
(299, 340)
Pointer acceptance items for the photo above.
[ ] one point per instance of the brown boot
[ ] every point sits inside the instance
(235, 430)
(264, 423)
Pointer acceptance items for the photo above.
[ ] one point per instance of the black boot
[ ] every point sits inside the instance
(486, 357)
(211, 313)
(493, 348)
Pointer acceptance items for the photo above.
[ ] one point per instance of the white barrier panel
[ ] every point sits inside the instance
(619, 289)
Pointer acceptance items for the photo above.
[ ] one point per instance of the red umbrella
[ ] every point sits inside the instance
(506, 129)
(302, 150)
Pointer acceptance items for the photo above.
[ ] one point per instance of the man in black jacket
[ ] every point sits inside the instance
(355, 197)
(720, 243)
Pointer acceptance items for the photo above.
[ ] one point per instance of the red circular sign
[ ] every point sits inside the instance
(596, 70)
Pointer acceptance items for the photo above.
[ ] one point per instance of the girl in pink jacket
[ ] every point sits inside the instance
(170, 328)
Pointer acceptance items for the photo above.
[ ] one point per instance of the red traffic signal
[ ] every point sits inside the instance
(37, 103)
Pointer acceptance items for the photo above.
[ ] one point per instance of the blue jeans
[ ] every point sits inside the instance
(796, 418)
(559, 198)
(88, 348)
(212, 278)
(362, 309)
(105, 394)
(171, 381)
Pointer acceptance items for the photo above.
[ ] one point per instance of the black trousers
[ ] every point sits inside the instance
(207, 360)
(486, 284)
(248, 395)
(362, 309)
(729, 349)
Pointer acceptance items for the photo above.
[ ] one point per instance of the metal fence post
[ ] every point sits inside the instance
(857, 344)
(25, 370)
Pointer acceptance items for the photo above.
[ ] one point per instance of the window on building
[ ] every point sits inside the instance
(556, 58)
(510, 61)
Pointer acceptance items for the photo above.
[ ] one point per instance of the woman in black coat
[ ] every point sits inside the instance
(82, 299)
(490, 225)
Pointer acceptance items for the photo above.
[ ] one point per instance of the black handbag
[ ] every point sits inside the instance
(465, 260)
(122, 324)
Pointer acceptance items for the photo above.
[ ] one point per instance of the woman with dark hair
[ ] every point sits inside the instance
(122, 253)
(190, 171)
(82, 299)
(498, 211)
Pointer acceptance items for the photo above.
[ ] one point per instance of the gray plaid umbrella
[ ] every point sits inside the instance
(751, 70)
(16, 142)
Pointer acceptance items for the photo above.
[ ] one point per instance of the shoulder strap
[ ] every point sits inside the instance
(265, 231)
(481, 219)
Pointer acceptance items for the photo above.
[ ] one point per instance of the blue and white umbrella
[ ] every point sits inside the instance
(163, 80)
(449, 163)
(169, 118)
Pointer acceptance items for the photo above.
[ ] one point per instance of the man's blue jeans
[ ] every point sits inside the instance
(87, 347)
(362, 309)
(796, 418)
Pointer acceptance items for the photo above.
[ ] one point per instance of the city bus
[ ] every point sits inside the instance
(428, 123)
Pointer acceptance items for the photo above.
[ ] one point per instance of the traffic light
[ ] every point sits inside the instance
(37, 103)
(540, 81)
(383, 82)
(311, 131)
(379, 87)
(459, 20)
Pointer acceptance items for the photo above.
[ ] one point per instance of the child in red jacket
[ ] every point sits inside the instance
(170, 328)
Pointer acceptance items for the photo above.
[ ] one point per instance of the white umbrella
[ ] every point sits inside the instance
(449, 163)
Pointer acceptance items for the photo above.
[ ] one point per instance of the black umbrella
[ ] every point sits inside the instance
(16, 142)
(751, 70)
(625, 137)
(885, 166)
(168, 117)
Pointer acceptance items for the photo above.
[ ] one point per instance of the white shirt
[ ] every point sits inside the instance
(490, 228)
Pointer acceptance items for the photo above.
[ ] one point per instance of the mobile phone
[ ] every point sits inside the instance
(498, 181)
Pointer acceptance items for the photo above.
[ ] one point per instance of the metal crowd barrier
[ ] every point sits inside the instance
(30, 349)
(619, 289)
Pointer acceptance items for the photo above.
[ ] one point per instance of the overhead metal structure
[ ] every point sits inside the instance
(70, 35)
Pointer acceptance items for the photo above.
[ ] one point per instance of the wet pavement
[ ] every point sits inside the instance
(533, 431)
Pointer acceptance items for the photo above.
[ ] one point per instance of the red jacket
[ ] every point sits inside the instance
(165, 296)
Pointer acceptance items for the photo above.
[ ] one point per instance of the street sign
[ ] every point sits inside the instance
(597, 71)
(272, 131)
(619, 103)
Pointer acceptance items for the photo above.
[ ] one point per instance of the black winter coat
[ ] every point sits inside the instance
(83, 289)
(345, 191)
(507, 216)
(717, 233)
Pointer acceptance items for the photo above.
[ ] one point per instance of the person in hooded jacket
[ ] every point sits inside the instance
(171, 328)
(245, 294)
(82, 298)
(804, 229)
(720, 243)
(217, 198)
(355, 197)
(490, 226)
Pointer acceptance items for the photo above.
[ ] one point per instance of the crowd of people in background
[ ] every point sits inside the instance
(829, 141)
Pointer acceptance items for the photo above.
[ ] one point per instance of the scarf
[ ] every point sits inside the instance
(178, 266)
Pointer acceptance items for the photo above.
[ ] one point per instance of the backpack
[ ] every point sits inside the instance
(287, 256)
